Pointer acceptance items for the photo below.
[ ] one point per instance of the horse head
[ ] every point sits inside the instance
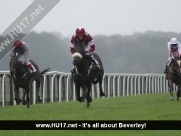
(81, 61)
(15, 65)
(177, 65)
(79, 48)
(78, 52)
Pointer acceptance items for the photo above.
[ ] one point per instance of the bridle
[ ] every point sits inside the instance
(18, 70)
(80, 59)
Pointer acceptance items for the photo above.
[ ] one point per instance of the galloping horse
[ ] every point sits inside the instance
(173, 75)
(85, 73)
(22, 78)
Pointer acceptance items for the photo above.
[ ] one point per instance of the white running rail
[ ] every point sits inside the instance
(58, 86)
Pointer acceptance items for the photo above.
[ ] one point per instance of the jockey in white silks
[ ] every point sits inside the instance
(174, 48)
(20, 49)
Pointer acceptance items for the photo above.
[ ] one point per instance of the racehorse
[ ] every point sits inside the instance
(85, 73)
(22, 78)
(173, 75)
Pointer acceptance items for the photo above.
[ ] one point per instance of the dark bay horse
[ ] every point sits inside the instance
(85, 74)
(22, 78)
(173, 76)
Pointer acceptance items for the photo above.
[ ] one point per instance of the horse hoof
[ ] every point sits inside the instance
(39, 100)
(89, 99)
(24, 102)
(80, 99)
(171, 98)
(18, 101)
(102, 94)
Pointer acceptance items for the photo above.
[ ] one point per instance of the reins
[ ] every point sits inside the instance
(76, 69)
(22, 76)
(171, 71)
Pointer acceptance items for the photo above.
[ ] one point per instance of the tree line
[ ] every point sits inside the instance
(139, 53)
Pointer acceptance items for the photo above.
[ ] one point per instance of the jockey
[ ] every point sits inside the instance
(83, 37)
(174, 48)
(21, 49)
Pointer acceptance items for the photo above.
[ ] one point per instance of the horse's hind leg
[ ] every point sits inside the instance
(171, 90)
(100, 88)
(23, 98)
(38, 90)
(27, 98)
(171, 93)
(80, 99)
(178, 92)
(170, 84)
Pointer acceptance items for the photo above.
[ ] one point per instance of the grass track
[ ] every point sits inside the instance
(142, 107)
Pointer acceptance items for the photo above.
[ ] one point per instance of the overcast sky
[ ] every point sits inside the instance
(101, 16)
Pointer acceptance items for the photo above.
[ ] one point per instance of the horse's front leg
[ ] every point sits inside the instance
(16, 90)
(77, 87)
(100, 88)
(170, 83)
(178, 92)
(88, 97)
(23, 98)
(27, 97)
(38, 94)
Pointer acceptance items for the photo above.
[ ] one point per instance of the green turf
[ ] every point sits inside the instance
(142, 107)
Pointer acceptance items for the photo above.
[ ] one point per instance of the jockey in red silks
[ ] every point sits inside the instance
(174, 48)
(21, 49)
(81, 36)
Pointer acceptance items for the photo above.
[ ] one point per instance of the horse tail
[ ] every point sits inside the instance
(44, 71)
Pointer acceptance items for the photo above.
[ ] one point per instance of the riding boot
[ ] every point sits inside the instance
(167, 65)
(165, 71)
(95, 63)
(72, 72)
